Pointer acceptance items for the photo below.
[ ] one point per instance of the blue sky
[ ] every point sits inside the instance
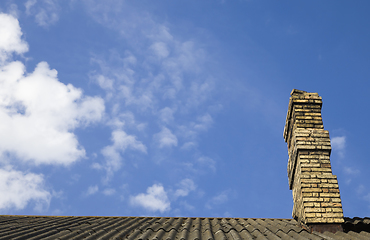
(175, 108)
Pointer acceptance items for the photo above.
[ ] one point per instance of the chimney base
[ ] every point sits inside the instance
(326, 227)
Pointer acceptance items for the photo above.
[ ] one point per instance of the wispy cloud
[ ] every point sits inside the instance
(91, 190)
(155, 199)
(159, 74)
(165, 138)
(219, 199)
(351, 170)
(185, 187)
(200, 165)
(109, 191)
(112, 153)
(46, 12)
(338, 144)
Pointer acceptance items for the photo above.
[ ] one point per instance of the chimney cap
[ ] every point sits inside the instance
(297, 92)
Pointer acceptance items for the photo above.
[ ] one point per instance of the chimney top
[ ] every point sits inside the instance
(316, 196)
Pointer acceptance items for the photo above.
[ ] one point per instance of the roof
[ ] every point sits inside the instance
(52, 227)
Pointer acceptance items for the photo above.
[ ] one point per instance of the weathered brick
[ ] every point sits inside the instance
(321, 169)
(327, 176)
(306, 199)
(310, 215)
(338, 210)
(311, 190)
(334, 190)
(316, 210)
(331, 204)
(328, 185)
(310, 165)
(338, 220)
(310, 181)
(332, 215)
(308, 204)
(331, 195)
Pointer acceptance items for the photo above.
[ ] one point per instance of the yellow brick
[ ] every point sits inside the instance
(332, 215)
(327, 185)
(310, 180)
(321, 169)
(338, 210)
(327, 176)
(306, 169)
(310, 215)
(314, 220)
(331, 195)
(334, 190)
(311, 190)
(310, 165)
(336, 200)
(338, 220)
(309, 210)
(313, 199)
(331, 204)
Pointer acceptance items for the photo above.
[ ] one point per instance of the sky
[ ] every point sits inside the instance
(175, 108)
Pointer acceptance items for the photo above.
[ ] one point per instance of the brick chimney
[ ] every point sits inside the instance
(315, 189)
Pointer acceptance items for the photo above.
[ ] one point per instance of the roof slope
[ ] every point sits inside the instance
(45, 227)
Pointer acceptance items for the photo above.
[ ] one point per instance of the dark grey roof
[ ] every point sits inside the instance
(48, 227)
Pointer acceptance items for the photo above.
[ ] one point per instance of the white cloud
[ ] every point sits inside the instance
(185, 187)
(338, 144)
(10, 37)
(91, 190)
(155, 199)
(46, 12)
(38, 113)
(17, 189)
(166, 138)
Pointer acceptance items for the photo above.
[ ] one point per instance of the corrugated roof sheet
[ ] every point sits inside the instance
(48, 227)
